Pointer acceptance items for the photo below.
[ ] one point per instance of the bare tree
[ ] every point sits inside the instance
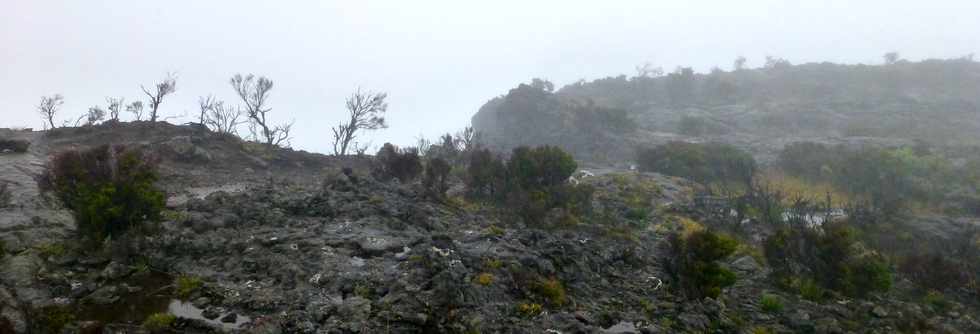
(164, 88)
(255, 93)
(206, 104)
(136, 108)
(115, 106)
(49, 107)
(222, 119)
(366, 111)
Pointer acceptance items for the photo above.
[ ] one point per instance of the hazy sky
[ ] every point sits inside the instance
(438, 60)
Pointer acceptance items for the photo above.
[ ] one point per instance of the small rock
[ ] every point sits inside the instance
(584, 317)
(230, 318)
(115, 270)
(103, 296)
(211, 313)
(201, 303)
(879, 312)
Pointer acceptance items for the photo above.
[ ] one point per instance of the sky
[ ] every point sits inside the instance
(439, 61)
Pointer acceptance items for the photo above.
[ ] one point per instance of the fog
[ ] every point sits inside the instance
(438, 60)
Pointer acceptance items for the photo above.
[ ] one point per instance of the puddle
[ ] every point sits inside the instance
(186, 310)
(152, 296)
(132, 307)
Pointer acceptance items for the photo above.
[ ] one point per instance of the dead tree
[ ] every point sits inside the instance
(49, 107)
(115, 106)
(255, 94)
(366, 111)
(206, 104)
(222, 119)
(164, 88)
(136, 108)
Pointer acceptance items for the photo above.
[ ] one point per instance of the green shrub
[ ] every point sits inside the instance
(51, 319)
(694, 262)
(829, 257)
(540, 167)
(486, 176)
(402, 164)
(159, 321)
(936, 300)
(109, 189)
(436, 177)
(771, 303)
(14, 145)
(706, 163)
(185, 285)
(533, 182)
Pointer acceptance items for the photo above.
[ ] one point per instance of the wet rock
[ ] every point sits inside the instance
(623, 327)
(103, 296)
(91, 327)
(201, 303)
(694, 321)
(211, 313)
(746, 264)
(115, 270)
(800, 321)
(879, 312)
(828, 326)
(230, 318)
(584, 317)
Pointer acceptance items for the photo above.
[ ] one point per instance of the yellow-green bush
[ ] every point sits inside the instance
(158, 321)
(552, 291)
(185, 285)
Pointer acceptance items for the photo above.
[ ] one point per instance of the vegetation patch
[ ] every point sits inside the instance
(159, 321)
(694, 262)
(185, 285)
(109, 189)
(552, 290)
(771, 303)
(484, 279)
(529, 309)
(14, 145)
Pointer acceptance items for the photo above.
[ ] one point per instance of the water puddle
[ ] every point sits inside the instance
(143, 295)
(189, 311)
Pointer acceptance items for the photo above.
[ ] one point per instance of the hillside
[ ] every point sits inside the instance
(935, 101)
(264, 240)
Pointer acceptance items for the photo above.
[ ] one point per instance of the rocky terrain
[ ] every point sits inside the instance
(278, 241)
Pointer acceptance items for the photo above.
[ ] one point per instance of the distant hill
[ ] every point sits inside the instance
(933, 100)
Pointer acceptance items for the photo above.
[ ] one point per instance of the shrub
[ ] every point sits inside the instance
(936, 300)
(533, 182)
(486, 175)
(484, 279)
(552, 291)
(14, 145)
(436, 175)
(158, 321)
(529, 309)
(186, 285)
(706, 163)
(402, 164)
(771, 303)
(51, 319)
(540, 167)
(694, 262)
(829, 257)
(109, 189)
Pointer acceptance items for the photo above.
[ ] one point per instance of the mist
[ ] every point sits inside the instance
(438, 60)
